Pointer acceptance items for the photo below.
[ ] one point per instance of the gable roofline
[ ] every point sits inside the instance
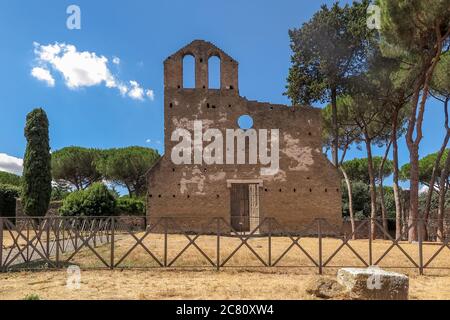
(206, 46)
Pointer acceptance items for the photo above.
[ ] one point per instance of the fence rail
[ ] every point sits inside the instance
(120, 242)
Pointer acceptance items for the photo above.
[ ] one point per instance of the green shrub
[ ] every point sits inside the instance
(10, 178)
(32, 296)
(361, 199)
(8, 195)
(59, 192)
(72, 205)
(130, 206)
(96, 200)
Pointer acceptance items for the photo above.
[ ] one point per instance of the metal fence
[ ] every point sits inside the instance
(134, 242)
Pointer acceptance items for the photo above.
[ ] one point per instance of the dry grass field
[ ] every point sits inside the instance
(10, 238)
(243, 277)
(186, 284)
(295, 257)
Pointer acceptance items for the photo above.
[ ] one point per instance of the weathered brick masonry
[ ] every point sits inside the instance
(307, 186)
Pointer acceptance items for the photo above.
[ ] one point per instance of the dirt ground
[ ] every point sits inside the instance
(175, 284)
(242, 278)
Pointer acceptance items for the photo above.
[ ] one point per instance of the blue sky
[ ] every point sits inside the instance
(141, 34)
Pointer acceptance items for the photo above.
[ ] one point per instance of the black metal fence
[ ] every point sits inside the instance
(124, 242)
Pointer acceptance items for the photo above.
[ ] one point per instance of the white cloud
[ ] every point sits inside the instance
(148, 140)
(82, 69)
(123, 89)
(136, 92)
(79, 69)
(150, 94)
(11, 164)
(43, 75)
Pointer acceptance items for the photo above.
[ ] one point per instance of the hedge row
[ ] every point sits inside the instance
(8, 195)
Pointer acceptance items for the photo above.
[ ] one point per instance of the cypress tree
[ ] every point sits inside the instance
(37, 178)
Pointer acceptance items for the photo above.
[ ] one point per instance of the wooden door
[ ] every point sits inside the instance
(240, 207)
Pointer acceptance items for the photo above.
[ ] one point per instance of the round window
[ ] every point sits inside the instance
(245, 122)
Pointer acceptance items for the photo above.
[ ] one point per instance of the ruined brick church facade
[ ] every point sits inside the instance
(306, 185)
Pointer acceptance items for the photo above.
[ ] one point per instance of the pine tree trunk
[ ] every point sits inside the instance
(350, 202)
(383, 204)
(414, 194)
(335, 146)
(405, 212)
(383, 210)
(130, 193)
(443, 192)
(415, 126)
(398, 211)
(398, 207)
(373, 193)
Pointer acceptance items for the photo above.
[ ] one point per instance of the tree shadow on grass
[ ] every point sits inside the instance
(38, 265)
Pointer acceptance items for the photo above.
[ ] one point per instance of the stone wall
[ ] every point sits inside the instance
(52, 209)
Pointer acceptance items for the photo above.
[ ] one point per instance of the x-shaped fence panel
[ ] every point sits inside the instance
(111, 241)
(294, 239)
(395, 242)
(87, 237)
(244, 241)
(345, 242)
(41, 241)
(443, 242)
(27, 242)
(139, 241)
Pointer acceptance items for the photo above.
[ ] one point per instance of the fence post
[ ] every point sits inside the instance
(95, 230)
(319, 232)
(420, 229)
(47, 245)
(28, 239)
(58, 226)
(165, 241)
(370, 241)
(107, 231)
(63, 248)
(270, 242)
(113, 227)
(1, 244)
(77, 226)
(218, 245)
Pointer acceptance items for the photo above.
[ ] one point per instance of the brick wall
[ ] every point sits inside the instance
(306, 187)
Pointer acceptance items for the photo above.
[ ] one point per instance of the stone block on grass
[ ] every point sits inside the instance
(374, 283)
